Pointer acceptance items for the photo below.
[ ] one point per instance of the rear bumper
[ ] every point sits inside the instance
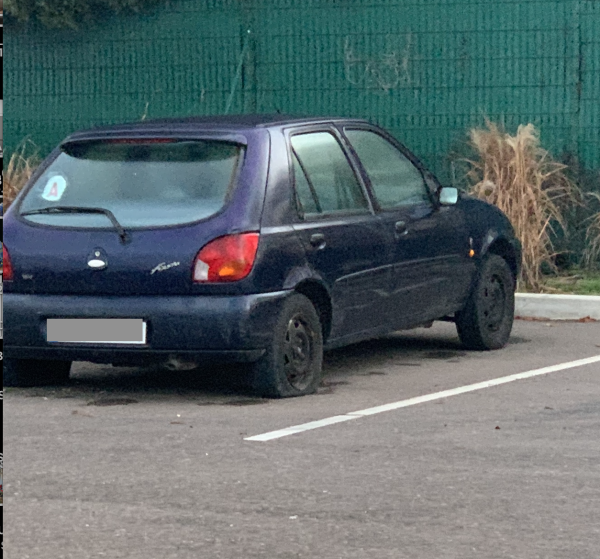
(197, 328)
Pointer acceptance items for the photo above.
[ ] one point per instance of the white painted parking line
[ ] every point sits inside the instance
(420, 399)
(299, 428)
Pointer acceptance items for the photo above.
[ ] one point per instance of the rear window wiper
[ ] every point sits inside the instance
(82, 210)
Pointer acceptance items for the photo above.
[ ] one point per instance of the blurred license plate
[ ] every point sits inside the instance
(96, 330)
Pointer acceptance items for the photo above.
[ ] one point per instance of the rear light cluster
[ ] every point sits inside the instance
(228, 258)
(7, 271)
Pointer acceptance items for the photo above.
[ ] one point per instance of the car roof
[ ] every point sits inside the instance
(225, 123)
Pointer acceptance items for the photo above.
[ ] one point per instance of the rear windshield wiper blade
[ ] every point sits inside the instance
(82, 210)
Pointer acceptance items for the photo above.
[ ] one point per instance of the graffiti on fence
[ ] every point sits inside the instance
(381, 72)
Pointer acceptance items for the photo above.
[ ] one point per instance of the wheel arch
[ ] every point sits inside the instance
(503, 247)
(319, 296)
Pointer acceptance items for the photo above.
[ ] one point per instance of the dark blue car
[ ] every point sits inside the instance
(249, 238)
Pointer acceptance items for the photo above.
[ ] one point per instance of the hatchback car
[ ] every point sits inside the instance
(250, 238)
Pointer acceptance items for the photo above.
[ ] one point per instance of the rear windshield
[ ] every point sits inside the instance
(143, 183)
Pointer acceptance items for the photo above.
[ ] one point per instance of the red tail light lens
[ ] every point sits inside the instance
(228, 258)
(7, 271)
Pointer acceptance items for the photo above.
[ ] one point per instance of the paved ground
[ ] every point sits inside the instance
(508, 471)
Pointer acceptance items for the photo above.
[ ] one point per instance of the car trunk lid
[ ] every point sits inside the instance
(129, 216)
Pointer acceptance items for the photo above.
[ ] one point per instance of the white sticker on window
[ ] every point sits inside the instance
(54, 189)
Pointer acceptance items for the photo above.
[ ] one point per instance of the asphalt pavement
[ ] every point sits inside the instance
(137, 463)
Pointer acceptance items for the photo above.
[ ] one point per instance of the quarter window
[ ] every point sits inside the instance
(395, 180)
(324, 180)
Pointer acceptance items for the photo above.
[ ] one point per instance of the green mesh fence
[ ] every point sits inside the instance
(426, 69)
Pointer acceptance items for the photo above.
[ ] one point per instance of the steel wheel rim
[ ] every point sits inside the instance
(494, 303)
(298, 353)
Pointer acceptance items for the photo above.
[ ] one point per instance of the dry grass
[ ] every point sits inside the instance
(516, 174)
(591, 254)
(21, 165)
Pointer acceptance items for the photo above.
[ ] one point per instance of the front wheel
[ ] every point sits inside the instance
(293, 362)
(486, 321)
(35, 372)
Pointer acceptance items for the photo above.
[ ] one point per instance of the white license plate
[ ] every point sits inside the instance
(96, 330)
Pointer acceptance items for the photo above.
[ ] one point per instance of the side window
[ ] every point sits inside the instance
(324, 180)
(395, 180)
(305, 192)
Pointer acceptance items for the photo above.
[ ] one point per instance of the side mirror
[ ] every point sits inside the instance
(448, 196)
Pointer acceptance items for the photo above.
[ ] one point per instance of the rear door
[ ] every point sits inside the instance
(430, 243)
(344, 241)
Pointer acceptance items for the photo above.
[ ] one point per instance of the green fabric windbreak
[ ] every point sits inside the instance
(426, 69)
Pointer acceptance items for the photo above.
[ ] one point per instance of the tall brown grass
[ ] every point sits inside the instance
(20, 167)
(520, 177)
(591, 254)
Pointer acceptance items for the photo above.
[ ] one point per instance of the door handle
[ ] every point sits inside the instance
(317, 240)
(401, 228)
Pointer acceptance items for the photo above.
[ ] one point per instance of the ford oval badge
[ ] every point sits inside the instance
(97, 260)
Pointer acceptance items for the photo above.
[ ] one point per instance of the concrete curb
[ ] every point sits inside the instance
(557, 307)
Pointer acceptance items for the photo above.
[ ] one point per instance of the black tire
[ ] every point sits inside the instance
(292, 365)
(486, 321)
(35, 372)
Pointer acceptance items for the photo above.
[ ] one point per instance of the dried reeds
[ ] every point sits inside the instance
(591, 254)
(21, 165)
(520, 177)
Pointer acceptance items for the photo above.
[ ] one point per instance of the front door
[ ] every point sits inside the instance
(430, 254)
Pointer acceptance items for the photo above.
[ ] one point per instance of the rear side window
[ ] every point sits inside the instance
(143, 183)
(324, 180)
(395, 180)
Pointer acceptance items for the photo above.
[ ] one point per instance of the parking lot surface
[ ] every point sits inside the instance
(137, 463)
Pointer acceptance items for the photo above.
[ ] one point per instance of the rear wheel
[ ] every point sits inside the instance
(35, 372)
(293, 361)
(486, 321)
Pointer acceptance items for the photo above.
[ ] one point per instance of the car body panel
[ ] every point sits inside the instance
(429, 255)
(354, 264)
(353, 256)
(432, 270)
(488, 226)
(174, 323)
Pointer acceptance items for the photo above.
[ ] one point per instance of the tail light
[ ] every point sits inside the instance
(228, 258)
(7, 270)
